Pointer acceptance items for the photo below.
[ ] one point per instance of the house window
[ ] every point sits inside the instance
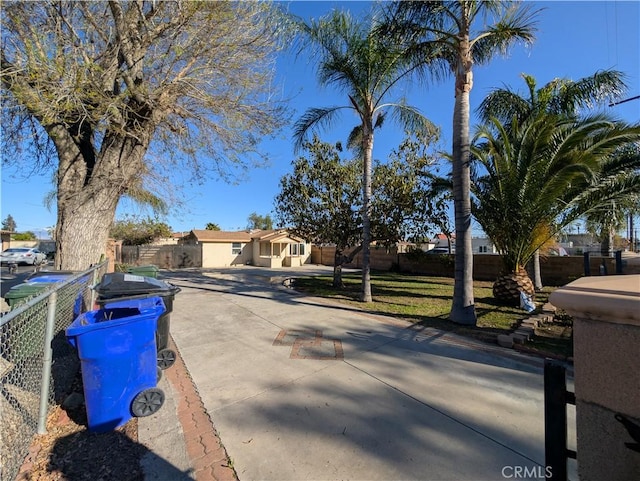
(265, 249)
(296, 249)
(483, 249)
(236, 248)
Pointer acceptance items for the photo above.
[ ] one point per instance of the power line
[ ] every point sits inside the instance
(625, 100)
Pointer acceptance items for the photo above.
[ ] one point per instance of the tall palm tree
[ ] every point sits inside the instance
(560, 96)
(464, 33)
(366, 66)
(543, 173)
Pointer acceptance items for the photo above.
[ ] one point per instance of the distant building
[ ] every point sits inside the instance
(578, 244)
(264, 248)
(175, 239)
(441, 240)
(483, 245)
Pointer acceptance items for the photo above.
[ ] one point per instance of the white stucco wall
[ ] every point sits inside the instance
(280, 256)
(218, 254)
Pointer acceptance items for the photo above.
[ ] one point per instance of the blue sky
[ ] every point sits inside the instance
(574, 40)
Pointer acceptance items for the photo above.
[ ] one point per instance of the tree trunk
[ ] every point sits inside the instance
(366, 213)
(611, 242)
(463, 309)
(82, 230)
(337, 269)
(537, 277)
(339, 260)
(89, 187)
(632, 239)
(507, 287)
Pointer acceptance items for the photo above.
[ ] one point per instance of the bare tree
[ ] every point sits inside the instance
(111, 93)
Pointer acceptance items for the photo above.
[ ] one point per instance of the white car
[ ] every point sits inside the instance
(22, 255)
(440, 250)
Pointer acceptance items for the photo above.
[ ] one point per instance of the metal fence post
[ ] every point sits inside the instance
(556, 398)
(587, 264)
(618, 262)
(46, 366)
(93, 292)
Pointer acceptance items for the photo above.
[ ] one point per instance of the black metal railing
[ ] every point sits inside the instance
(556, 398)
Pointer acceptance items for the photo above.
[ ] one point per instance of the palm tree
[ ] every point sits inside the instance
(543, 173)
(560, 96)
(464, 34)
(611, 216)
(366, 67)
(604, 222)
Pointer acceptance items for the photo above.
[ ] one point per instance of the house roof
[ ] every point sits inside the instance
(271, 236)
(221, 236)
(275, 236)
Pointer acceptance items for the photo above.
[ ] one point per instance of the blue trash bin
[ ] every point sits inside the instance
(117, 351)
(53, 277)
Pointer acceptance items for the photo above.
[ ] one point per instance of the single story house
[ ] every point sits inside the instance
(263, 248)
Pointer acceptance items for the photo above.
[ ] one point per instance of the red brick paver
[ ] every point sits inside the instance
(207, 454)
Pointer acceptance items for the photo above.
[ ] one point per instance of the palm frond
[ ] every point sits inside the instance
(517, 24)
(312, 119)
(559, 96)
(549, 170)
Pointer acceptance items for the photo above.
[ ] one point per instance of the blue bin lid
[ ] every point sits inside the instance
(51, 272)
(49, 278)
(110, 317)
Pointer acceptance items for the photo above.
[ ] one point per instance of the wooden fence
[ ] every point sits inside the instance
(555, 270)
(163, 256)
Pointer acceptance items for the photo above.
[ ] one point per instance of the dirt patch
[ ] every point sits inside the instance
(70, 452)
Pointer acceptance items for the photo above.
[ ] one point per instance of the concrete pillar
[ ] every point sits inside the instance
(606, 322)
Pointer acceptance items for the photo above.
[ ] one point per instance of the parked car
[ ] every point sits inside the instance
(439, 250)
(22, 255)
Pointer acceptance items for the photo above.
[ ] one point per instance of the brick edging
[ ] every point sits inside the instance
(206, 452)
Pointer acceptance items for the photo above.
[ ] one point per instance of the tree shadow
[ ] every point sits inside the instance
(84, 455)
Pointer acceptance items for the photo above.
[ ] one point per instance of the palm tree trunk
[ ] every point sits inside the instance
(632, 239)
(463, 308)
(611, 242)
(537, 277)
(366, 213)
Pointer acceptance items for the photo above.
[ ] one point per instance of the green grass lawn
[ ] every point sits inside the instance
(424, 300)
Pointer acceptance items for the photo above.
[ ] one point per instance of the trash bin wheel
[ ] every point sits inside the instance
(147, 402)
(166, 358)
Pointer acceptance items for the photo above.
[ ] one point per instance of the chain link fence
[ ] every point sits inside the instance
(37, 364)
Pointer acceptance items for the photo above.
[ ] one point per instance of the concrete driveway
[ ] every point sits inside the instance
(300, 388)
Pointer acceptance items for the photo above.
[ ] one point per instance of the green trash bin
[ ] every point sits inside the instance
(145, 271)
(20, 293)
(29, 341)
